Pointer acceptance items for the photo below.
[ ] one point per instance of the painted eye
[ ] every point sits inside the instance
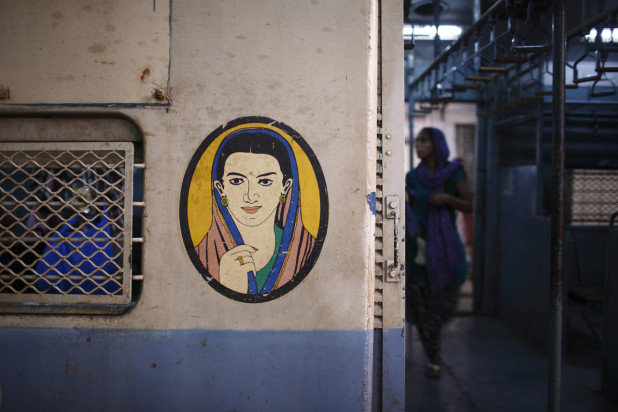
(265, 182)
(236, 181)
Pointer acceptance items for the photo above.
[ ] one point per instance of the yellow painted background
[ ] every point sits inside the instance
(199, 202)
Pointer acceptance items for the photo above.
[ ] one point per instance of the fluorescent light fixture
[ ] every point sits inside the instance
(607, 35)
(446, 32)
(407, 32)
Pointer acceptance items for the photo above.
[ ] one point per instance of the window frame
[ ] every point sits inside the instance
(78, 133)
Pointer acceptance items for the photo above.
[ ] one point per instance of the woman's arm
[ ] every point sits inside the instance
(461, 202)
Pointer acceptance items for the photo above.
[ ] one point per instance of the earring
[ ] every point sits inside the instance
(224, 201)
(282, 198)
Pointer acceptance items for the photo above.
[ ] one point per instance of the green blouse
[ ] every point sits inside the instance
(263, 273)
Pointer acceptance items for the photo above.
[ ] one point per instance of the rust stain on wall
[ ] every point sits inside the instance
(159, 94)
(145, 74)
(5, 93)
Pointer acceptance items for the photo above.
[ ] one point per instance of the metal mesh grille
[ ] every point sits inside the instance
(66, 222)
(591, 196)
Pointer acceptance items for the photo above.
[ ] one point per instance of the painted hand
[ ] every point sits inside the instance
(233, 268)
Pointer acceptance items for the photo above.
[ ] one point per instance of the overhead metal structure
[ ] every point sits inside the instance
(508, 48)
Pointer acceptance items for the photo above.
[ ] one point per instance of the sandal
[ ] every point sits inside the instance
(432, 371)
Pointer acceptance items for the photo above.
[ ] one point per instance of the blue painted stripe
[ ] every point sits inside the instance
(118, 369)
(393, 376)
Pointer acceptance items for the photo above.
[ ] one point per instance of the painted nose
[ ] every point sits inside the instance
(250, 196)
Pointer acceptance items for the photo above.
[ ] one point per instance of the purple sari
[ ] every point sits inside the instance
(443, 251)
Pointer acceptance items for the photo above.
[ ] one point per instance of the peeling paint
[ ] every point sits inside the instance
(371, 201)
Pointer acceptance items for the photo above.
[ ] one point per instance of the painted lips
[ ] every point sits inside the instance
(251, 209)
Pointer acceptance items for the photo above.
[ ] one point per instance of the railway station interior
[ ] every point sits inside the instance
(487, 83)
(128, 281)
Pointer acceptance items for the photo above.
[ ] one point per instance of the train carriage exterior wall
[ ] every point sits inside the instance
(175, 71)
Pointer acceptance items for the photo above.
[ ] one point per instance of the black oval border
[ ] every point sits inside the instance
(184, 221)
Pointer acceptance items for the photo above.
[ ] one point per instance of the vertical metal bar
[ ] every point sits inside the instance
(377, 365)
(557, 206)
(396, 240)
(540, 126)
(480, 206)
(476, 12)
(411, 131)
(128, 221)
(407, 68)
(492, 216)
(436, 22)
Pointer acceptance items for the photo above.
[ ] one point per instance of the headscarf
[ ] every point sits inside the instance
(443, 251)
(296, 242)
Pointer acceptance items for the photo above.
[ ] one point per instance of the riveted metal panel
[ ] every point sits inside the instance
(76, 51)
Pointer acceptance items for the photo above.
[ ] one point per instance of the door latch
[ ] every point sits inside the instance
(391, 268)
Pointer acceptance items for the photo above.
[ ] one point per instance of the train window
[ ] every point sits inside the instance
(591, 196)
(67, 242)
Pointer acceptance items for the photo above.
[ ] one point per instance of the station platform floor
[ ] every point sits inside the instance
(489, 367)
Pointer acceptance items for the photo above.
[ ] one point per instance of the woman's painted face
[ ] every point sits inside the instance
(424, 145)
(252, 184)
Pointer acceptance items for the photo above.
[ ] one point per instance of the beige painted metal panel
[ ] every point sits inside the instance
(393, 151)
(81, 51)
(311, 65)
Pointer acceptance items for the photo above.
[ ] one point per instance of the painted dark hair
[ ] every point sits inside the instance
(257, 143)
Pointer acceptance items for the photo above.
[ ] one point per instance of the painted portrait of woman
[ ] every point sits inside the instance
(265, 219)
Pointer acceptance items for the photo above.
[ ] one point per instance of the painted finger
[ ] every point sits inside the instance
(243, 250)
(242, 257)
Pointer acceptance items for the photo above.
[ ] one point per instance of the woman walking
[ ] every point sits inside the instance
(436, 259)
